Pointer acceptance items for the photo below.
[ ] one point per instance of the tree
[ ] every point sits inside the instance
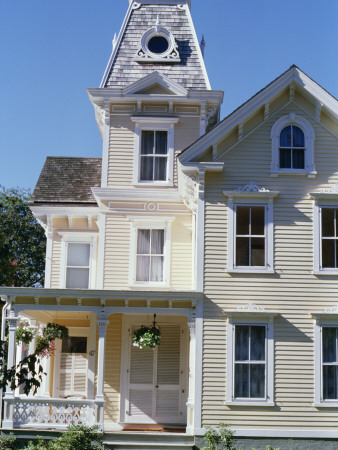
(22, 241)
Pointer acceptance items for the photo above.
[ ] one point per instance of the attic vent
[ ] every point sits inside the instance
(158, 45)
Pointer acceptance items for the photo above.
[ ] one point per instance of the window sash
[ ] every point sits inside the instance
(249, 375)
(329, 239)
(150, 255)
(154, 155)
(250, 244)
(78, 272)
(329, 369)
(292, 148)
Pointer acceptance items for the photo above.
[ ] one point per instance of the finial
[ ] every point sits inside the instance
(202, 45)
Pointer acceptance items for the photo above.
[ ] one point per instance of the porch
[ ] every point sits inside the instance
(123, 385)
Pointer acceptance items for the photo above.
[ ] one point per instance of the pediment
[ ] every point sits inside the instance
(155, 84)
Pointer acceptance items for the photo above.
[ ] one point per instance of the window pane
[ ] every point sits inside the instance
(146, 173)
(298, 159)
(74, 344)
(328, 252)
(78, 255)
(243, 219)
(156, 273)
(257, 380)
(257, 347)
(160, 169)
(328, 222)
(285, 137)
(143, 242)
(284, 158)
(161, 143)
(257, 252)
(330, 382)
(77, 278)
(242, 251)
(157, 242)
(257, 220)
(242, 380)
(142, 268)
(147, 142)
(329, 344)
(298, 137)
(242, 343)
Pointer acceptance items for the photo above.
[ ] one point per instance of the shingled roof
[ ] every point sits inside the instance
(67, 180)
(189, 72)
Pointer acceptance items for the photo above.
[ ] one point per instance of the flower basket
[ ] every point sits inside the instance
(146, 337)
(24, 335)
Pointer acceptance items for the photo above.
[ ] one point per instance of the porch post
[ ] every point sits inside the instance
(192, 380)
(9, 394)
(99, 398)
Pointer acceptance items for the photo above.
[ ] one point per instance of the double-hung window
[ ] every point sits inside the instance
(329, 238)
(154, 150)
(250, 358)
(291, 148)
(150, 251)
(326, 359)
(78, 262)
(250, 229)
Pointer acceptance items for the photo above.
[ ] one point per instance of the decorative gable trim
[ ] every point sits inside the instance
(293, 76)
(156, 78)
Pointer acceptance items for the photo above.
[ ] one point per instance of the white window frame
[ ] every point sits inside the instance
(240, 198)
(146, 123)
(322, 320)
(247, 319)
(148, 223)
(309, 138)
(322, 200)
(78, 238)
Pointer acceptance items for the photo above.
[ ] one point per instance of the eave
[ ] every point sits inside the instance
(140, 194)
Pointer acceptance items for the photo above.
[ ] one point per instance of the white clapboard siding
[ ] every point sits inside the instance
(293, 292)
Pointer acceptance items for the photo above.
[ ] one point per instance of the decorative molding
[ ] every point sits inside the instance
(151, 206)
(251, 187)
(136, 5)
(251, 307)
(332, 309)
(333, 189)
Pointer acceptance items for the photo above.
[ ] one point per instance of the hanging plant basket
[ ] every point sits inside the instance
(146, 337)
(24, 335)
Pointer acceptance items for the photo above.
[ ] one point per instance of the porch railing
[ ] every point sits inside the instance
(52, 413)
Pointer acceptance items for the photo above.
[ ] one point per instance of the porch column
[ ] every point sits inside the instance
(99, 398)
(192, 379)
(9, 394)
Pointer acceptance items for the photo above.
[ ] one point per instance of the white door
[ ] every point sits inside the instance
(156, 391)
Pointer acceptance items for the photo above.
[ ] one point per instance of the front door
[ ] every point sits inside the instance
(156, 378)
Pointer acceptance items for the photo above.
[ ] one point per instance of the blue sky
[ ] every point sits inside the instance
(51, 51)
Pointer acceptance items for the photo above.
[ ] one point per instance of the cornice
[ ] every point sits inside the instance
(64, 210)
(146, 194)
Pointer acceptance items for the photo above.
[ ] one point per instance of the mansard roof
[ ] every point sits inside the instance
(125, 68)
(67, 180)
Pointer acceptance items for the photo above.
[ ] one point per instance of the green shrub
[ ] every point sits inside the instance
(78, 437)
(7, 442)
(221, 437)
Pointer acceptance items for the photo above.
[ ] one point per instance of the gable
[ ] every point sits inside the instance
(155, 89)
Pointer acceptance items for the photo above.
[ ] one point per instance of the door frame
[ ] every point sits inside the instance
(127, 321)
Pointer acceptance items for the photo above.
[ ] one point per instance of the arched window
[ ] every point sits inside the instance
(292, 146)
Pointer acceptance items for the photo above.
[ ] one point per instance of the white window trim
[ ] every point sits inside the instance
(264, 198)
(150, 223)
(78, 238)
(309, 137)
(322, 200)
(154, 124)
(322, 320)
(253, 318)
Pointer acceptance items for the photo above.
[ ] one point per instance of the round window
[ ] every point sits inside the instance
(158, 44)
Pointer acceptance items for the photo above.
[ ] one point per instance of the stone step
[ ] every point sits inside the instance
(146, 440)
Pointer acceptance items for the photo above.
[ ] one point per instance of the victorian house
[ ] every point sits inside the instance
(222, 233)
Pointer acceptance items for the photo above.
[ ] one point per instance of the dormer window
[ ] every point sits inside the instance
(158, 45)
(292, 147)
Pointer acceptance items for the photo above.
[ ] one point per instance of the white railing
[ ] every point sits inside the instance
(53, 413)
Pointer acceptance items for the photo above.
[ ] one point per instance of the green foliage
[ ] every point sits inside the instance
(22, 241)
(146, 337)
(29, 371)
(7, 442)
(221, 437)
(24, 335)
